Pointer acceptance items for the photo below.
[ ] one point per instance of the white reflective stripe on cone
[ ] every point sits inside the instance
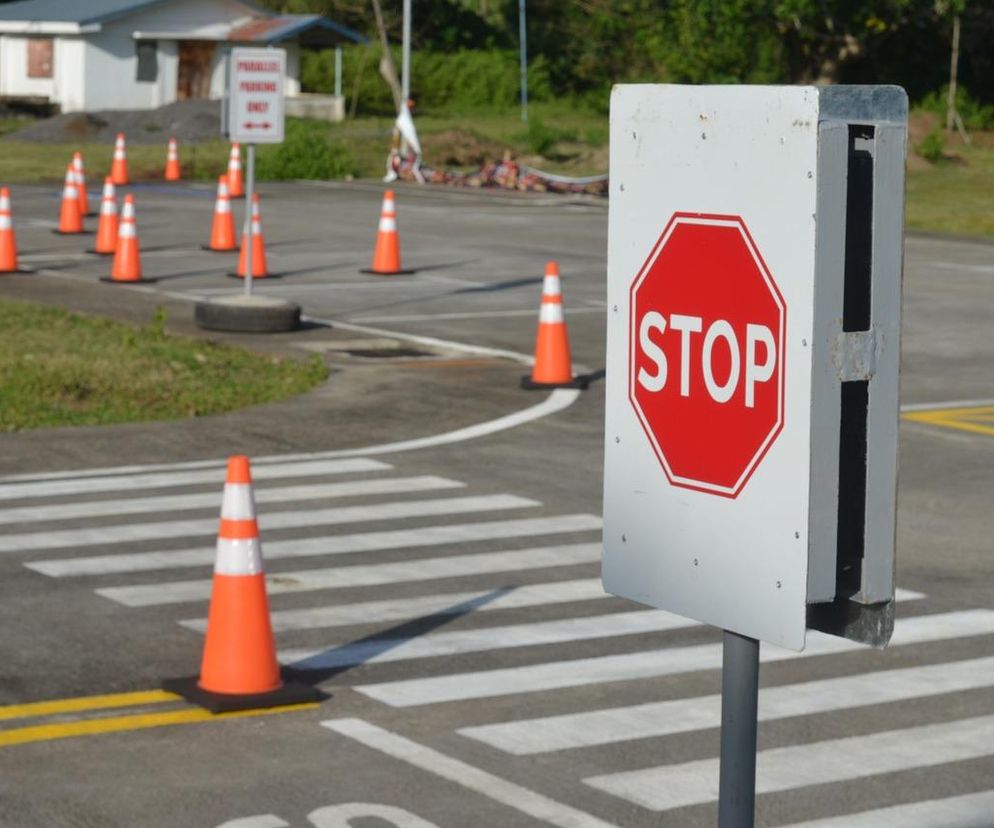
(4, 204)
(126, 230)
(128, 211)
(70, 192)
(388, 224)
(389, 206)
(550, 286)
(238, 557)
(5, 222)
(237, 503)
(551, 312)
(108, 207)
(223, 205)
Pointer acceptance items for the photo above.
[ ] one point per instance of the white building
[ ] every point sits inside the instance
(141, 54)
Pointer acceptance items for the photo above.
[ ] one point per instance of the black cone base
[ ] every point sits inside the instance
(582, 382)
(292, 692)
(98, 252)
(386, 272)
(19, 270)
(254, 278)
(78, 233)
(218, 249)
(112, 281)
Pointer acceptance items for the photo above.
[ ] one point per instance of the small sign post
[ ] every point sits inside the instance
(253, 114)
(753, 341)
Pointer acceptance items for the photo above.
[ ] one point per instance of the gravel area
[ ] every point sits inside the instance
(189, 121)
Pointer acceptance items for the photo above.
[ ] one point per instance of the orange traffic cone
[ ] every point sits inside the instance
(8, 244)
(259, 268)
(236, 189)
(386, 255)
(127, 267)
(77, 166)
(223, 229)
(107, 228)
(239, 668)
(553, 368)
(119, 166)
(70, 220)
(172, 161)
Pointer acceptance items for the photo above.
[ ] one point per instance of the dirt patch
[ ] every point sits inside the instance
(460, 148)
(189, 121)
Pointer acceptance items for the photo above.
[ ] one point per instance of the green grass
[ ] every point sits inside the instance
(58, 368)
(953, 195)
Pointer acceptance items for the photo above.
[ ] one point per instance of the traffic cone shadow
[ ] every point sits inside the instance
(386, 254)
(260, 269)
(70, 220)
(107, 228)
(8, 241)
(239, 670)
(127, 267)
(553, 366)
(223, 227)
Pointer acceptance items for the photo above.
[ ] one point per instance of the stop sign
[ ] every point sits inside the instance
(706, 339)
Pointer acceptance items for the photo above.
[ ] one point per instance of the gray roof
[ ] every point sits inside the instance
(71, 11)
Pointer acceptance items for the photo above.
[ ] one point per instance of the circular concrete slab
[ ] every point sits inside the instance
(247, 314)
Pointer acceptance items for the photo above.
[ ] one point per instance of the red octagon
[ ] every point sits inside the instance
(706, 343)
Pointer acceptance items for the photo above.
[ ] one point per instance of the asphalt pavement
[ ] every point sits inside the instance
(431, 534)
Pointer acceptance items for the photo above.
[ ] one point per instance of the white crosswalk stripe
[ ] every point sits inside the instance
(130, 532)
(208, 500)
(449, 603)
(600, 669)
(417, 537)
(620, 724)
(511, 593)
(782, 769)
(428, 569)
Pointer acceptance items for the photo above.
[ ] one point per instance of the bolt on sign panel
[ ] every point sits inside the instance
(754, 264)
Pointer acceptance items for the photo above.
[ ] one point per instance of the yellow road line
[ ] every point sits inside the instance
(960, 419)
(84, 703)
(140, 721)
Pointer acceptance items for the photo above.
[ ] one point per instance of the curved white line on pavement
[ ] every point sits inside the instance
(558, 400)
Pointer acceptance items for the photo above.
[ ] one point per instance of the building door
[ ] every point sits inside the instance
(193, 77)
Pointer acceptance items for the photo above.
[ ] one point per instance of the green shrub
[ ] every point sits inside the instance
(975, 114)
(933, 146)
(540, 137)
(307, 151)
(440, 82)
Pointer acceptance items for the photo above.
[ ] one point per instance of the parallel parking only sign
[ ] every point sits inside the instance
(255, 95)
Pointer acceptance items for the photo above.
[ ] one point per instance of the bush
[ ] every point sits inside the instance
(933, 146)
(540, 137)
(451, 81)
(307, 151)
(975, 114)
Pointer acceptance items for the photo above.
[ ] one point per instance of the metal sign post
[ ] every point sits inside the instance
(753, 341)
(254, 115)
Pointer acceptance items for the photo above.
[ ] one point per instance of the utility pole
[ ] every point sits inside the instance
(523, 40)
(953, 71)
(405, 70)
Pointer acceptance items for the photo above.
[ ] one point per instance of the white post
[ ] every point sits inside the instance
(405, 80)
(338, 71)
(249, 192)
(523, 47)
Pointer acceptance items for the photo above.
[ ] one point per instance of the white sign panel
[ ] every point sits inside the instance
(256, 80)
(743, 382)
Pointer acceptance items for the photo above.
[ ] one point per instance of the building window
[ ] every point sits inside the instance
(41, 57)
(148, 60)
